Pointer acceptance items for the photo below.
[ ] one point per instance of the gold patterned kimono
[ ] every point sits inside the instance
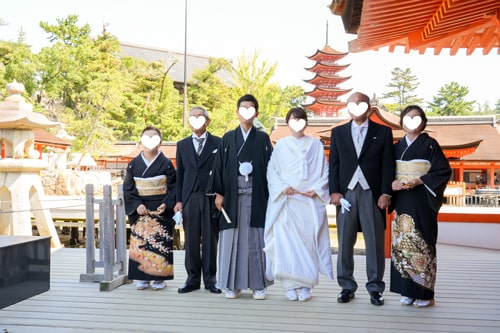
(151, 237)
(414, 229)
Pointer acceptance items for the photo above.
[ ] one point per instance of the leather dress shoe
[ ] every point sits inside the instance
(213, 289)
(187, 288)
(345, 296)
(376, 298)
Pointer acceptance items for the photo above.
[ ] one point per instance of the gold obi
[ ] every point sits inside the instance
(151, 186)
(409, 170)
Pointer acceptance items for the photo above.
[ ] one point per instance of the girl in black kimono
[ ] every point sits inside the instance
(422, 172)
(149, 194)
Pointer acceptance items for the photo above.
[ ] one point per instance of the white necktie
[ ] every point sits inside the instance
(360, 135)
(359, 139)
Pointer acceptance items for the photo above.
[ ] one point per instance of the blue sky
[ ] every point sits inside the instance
(281, 31)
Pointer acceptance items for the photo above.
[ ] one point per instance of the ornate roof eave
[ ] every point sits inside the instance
(459, 151)
(321, 78)
(319, 92)
(320, 67)
(327, 53)
(435, 24)
(331, 106)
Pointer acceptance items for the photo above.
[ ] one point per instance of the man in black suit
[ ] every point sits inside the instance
(360, 177)
(194, 158)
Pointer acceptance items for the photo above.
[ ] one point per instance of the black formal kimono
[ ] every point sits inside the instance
(232, 152)
(415, 228)
(241, 242)
(151, 239)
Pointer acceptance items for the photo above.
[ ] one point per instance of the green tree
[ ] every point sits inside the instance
(17, 62)
(497, 107)
(450, 101)
(252, 76)
(82, 80)
(249, 75)
(484, 108)
(210, 89)
(103, 97)
(402, 85)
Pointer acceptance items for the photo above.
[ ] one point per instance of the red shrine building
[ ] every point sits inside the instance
(469, 142)
(326, 79)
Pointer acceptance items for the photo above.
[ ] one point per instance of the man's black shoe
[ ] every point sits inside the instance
(213, 289)
(376, 298)
(187, 288)
(345, 296)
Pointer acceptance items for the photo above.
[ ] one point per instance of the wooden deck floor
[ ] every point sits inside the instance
(468, 300)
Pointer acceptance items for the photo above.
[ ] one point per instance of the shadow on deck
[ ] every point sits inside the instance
(467, 300)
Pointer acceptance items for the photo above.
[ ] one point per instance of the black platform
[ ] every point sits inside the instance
(24, 268)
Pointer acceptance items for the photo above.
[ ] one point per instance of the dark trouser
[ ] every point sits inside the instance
(365, 212)
(201, 235)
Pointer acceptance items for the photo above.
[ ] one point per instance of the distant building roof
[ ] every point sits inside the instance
(47, 139)
(172, 59)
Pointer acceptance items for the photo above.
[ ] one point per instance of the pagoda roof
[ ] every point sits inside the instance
(327, 68)
(318, 106)
(327, 53)
(319, 92)
(327, 79)
(420, 25)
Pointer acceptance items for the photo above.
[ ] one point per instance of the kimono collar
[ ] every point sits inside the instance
(245, 134)
(145, 160)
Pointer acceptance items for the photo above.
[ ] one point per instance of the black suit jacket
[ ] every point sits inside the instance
(376, 159)
(193, 170)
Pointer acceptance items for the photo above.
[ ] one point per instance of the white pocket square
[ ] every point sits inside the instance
(214, 151)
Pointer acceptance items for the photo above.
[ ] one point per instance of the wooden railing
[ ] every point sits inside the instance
(112, 244)
(455, 193)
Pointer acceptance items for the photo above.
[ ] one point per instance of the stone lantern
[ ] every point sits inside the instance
(21, 189)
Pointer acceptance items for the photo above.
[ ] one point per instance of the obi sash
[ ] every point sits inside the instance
(409, 170)
(151, 186)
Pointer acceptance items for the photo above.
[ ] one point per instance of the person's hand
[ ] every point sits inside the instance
(309, 194)
(398, 186)
(335, 198)
(415, 182)
(383, 201)
(178, 207)
(161, 209)
(289, 191)
(219, 201)
(142, 210)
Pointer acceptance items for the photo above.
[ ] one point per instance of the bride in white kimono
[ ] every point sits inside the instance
(296, 236)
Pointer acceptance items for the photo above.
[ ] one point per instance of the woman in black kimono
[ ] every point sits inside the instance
(149, 194)
(422, 172)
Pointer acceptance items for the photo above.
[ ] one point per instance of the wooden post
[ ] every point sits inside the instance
(112, 237)
(90, 226)
(108, 226)
(388, 234)
(121, 231)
